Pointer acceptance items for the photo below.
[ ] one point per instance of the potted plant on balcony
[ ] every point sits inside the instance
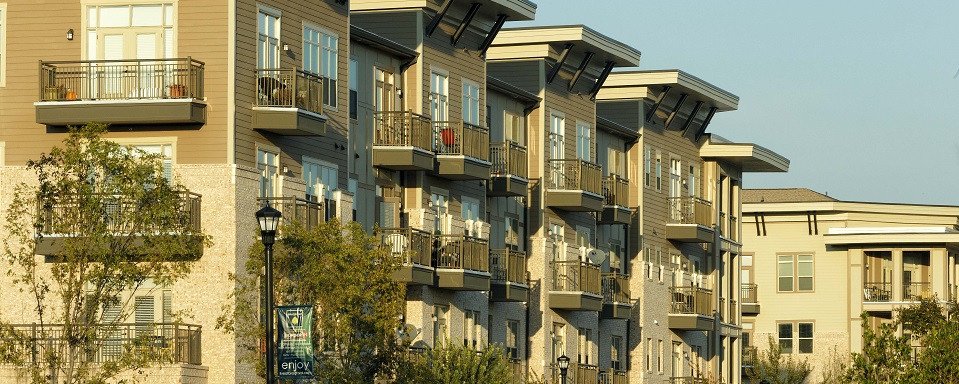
(177, 91)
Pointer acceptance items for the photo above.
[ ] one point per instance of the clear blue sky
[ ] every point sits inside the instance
(859, 95)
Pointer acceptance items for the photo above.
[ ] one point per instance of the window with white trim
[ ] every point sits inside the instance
(268, 162)
(585, 346)
(320, 55)
(471, 329)
(513, 125)
(320, 178)
(793, 334)
(795, 273)
(440, 324)
(647, 166)
(471, 102)
(470, 210)
(512, 345)
(165, 151)
(615, 352)
(659, 171)
(268, 38)
(584, 142)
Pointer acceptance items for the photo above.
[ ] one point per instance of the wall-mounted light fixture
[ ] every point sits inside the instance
(286, 47)
(70, 34)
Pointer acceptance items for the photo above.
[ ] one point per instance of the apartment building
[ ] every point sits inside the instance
(521, 179)
(247, 100)
(812, 264)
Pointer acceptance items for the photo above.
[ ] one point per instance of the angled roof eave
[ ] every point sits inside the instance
(750, 157)
(640, 81)
(511, 90)
(580, 35)
(947, 238)
(617, 128)
(517, 10)
(366, 37)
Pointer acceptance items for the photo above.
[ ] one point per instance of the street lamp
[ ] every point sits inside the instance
(563, 363)
(269, 219)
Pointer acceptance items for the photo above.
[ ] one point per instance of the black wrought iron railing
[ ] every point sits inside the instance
(307, 213)
(615, 288)
(692, 300)
(110, 80)
(289, 88)
(461, 138)
(690, 210)
(158, 342)
(615, 190)
(462, 252)
(576, 276)
(118, 212)
(414, 246)
(507, 266)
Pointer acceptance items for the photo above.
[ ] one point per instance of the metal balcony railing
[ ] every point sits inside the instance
(507, 266)
(402, 129)
(576, 276)
(156, 342)
(289, 88)
(574, 174)
(915, 290)
(615, 288)
(576, 374)
(134, 79)
(749, 356)
(747, 293)
(294, 209)
(876, 292)
(692, 300)
(414, 246)
(118, 213)
(509, 159)
(615, 190)
(690, 210)
(612, 376)
(461, 138)
(461, 252)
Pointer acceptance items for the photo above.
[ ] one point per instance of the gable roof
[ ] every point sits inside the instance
(783, 195)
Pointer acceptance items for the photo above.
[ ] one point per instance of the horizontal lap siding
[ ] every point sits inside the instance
(201, 33)
(333, 18)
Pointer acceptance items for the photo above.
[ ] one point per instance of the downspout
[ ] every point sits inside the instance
(717, 287)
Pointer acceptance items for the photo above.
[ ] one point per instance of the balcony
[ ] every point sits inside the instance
(749, 356)
(289, 102)
(576, 286)
(616, 302)
(508, 271)
(915, 290)
(415, 248)
(165, 343)
(164, 91)
(574, 185)
(306, 213)
(689, 220)
(612, 376)
(747, 293)
(402, 141)
(615, 200)
(508, 173)
(692, 309)
(575, 374)
(119, 215)
(462, 262)
(462, 150)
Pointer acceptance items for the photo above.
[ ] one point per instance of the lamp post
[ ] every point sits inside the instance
(563, 363)
(269, 219)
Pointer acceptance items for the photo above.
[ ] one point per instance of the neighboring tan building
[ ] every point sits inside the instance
(812, 264)
(687, 181)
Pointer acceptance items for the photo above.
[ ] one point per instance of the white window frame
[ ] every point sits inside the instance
(441, 332)
(324, 67)
(276, 175)
(514, 122)
(325, 194)
(585, 341)
(469, 102)
(648, 167)
(441, 218)
(584, 141)
(659, 171)
(276, 13)
(147, 141)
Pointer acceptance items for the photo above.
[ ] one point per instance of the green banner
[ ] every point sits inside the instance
(295, 351)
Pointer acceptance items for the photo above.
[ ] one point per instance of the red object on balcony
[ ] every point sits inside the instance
(449, 137)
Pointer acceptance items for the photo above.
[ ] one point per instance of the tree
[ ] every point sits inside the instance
(453, 363)
(771, 365)
(884, 358)
(107, 223)
(346, 275)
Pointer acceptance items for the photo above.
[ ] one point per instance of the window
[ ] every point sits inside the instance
(659, 356)
(471, 329)
(512, 347)
(470, 213)
(557, 128)
(383, 92)
(166, 156)
(321, 180)
(558, 341)
(354, 73)
(268, 39)
(320, 57)
(512, 233)
(268, 162)
(513, 126)
(471, 102)
(647, 167)
(440, 324)
(584, 242)
(795, 273)
(648, 353)
(675, 177)
(585, 347)
(615, 356)
(584, 141)
(659, 171)
(693, 182)
(615, 161)
(557, 235)
(788, 338)
(439, 96)
(441, 220)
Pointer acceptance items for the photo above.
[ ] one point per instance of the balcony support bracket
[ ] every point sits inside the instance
(579, 71)
(435, 22)
(500, 20)
(662, 96)
(474, 7)
(675, 111)
(702, 127)
(559, 63)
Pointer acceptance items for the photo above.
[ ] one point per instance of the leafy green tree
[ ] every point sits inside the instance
(119, 227)
(776, 368)
(453, 363)
(885, 356)
(937, 363)
(347, 276)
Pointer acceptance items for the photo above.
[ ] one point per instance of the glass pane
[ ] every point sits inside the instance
(747, 261)
(147, 15)
(785, 346)
(805, 268)
(785, 331)
(115, 16)
(805, 330)
(805, 345)
(805, 283)
(168, 14)
(785, 269)
(92, 17)
(785, 283)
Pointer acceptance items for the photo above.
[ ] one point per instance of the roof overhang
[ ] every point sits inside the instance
(365, 37)
(747, 156)
(517, 10)
(616, 128)
(547, 41)
(852, 206)
(511, 90)
(892, 235)
(636, 84)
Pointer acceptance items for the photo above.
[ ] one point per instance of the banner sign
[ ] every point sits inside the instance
(295, 351)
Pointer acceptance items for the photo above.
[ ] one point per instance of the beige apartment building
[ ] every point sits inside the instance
(540, 200)
(812, 264)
